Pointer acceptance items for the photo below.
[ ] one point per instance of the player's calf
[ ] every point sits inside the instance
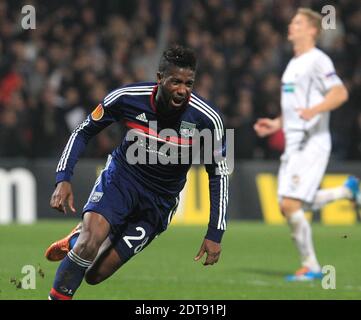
(106, 263)
(73, 267)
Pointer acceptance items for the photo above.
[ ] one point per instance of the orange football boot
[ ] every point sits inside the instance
(302, 271)
(59, 249)
(304, 274)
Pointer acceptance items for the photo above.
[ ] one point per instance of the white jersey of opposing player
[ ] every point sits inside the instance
(305, 82)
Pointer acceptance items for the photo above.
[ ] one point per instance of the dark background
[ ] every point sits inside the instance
(53, 76)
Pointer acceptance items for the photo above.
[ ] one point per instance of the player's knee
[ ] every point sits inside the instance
(289, 206)
(93, 278)
(285, 208)
(87, 247)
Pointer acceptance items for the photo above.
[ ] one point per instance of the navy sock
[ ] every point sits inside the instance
(68, 277)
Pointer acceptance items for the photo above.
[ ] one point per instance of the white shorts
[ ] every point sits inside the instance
(301, 173)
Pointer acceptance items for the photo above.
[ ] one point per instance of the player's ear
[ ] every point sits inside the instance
(159, 77)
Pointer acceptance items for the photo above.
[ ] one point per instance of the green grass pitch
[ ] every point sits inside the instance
(254, 261)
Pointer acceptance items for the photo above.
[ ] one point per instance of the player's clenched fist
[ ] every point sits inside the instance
(63, 197)
(264, 126)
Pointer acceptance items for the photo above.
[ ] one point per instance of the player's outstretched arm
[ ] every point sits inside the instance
(213, 250)
(265, 126)
(63, 197)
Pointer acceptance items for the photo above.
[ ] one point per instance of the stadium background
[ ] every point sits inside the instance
(53, 76)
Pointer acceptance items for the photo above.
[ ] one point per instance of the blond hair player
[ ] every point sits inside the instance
(310, 90)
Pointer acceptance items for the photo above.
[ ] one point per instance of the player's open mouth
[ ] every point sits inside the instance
(178, 102)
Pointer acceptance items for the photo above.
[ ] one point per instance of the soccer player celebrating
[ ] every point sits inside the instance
(310, 90)
(131, 203)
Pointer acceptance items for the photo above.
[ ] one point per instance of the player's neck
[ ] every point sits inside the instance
(302, 47)
(166, 115)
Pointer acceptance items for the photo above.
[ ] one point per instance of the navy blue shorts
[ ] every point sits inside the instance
(136, 215)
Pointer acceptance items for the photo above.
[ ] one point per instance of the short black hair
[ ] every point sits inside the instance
(178, 56)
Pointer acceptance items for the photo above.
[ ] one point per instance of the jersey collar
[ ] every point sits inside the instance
(152, 98)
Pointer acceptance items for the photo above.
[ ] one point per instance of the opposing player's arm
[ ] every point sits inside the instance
(334, 98)
(101, 117)
(265, 126)
(218, 188)
(331, 86)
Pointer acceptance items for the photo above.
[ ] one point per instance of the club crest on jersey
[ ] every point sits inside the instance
(96, 196)
(187, 129)
(295, 180)
(97, 113)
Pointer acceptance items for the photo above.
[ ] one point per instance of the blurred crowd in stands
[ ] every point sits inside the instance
(53, 76)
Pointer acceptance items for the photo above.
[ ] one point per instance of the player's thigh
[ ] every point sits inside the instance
(301, 175)
(95, 224)
(136, 235)
(95, 230)
(105, 264)
(120, 247)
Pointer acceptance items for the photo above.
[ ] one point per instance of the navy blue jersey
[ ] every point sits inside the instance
(134, 104)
